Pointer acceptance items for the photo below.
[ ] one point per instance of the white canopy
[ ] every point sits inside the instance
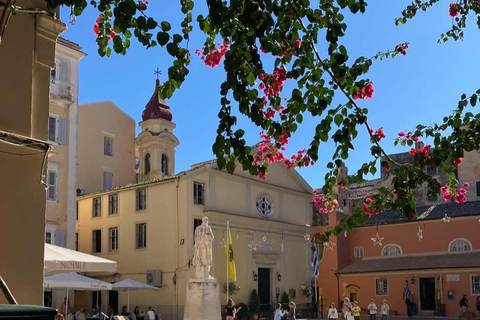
(62, 259)
(71, 280)
(129, 284)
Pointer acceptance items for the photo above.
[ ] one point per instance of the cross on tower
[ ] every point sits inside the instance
(158, 72)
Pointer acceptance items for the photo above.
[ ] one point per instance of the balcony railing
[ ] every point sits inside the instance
(61, 89)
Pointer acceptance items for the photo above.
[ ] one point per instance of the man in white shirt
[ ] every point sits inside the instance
(372, 307)
(151, 314)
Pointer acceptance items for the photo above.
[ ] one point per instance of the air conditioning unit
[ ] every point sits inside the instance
(154, 277)
(80, 192)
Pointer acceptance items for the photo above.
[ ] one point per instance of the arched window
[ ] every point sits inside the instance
(391, 250)
(164, 164)
(148, 162)
(459, 245)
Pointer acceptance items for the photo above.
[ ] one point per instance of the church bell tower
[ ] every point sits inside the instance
(156, 143)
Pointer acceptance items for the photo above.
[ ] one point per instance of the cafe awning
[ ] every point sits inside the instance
(59, 259)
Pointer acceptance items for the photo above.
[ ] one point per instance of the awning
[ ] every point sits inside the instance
(75, 281)
(59, 259)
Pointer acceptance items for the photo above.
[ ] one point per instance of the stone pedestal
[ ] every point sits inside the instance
(203, 300)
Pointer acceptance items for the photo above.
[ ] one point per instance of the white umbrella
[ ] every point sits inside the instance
(63, 259)
(74, 281)
(130, 284)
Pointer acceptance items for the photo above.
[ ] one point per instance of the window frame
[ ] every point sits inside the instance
(195, 193)
(137, 236)
(164, 166)
(110, 206)
(55, 186)
(96, 207)
(96, 243)
(60, 136)
(460, 239)
(106, 173)
(110, 239)
(376, 287)
(137, 199)
(392, 245)
(107, 151)
(46, 238)
(53, 116)
(472, 287)
(356, 249)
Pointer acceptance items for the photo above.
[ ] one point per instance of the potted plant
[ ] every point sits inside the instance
(231, 287)
(254, 304)
(243, 313)
(285, 300)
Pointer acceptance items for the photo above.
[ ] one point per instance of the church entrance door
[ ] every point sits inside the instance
(264, 288)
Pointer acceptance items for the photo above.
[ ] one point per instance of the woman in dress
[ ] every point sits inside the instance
(332, 312)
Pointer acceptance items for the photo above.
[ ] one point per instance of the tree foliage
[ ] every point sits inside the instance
(259, 36)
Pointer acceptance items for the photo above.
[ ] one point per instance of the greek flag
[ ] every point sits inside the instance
(406, 291)
(315, 261)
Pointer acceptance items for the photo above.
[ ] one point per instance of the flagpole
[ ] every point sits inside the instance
(226, 251)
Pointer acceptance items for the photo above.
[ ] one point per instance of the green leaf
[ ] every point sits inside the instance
(127, 34)
(141, 22)
(166, 26)
(172, 48)
(177, 38)
(231, 167)
(162, 38)
(338, 119)
(151, 23)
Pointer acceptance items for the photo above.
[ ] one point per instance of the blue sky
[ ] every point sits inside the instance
(420, 87)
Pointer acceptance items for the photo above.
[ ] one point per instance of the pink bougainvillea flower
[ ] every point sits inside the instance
(458, 161)
(213, 59)
(401, 134)
(314, 191)
(298, 43)
(387, 167)
(402, 48)
(96, 30)
(380, 134)
(466, 184)
(454, 9)
(365, 93)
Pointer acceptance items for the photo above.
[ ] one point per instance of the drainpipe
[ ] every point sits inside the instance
(178, 241)
(338, 289)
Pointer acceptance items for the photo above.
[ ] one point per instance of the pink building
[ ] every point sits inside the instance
(437, 255)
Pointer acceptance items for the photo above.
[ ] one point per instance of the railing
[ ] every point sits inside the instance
(61, 89)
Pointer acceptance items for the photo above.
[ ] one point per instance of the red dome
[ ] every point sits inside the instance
(157, 108)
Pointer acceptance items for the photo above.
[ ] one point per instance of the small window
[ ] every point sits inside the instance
(358, 252)
(107, 181)
(52, 185)
(148, 163)
(478, 188)
(108, 146)
(199, 193)
(476, 285)
(96, 241)
(97, 207)
(381, 287)
(141, 199)
(57, 129)
(141, 235)
(460, 245)
(76, 241)
(113, 204)
(164, 164)
(48, 237)
(391, 250)
(113, 239)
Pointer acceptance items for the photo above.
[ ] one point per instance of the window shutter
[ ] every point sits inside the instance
(107, 181)
(52, 129)
(52, 185)
(63, 71)
(60, 238)
(62, 130)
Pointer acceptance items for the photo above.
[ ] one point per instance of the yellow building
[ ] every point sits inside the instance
(27, 55)
(62, 136)
(106, 147)
(148, 227)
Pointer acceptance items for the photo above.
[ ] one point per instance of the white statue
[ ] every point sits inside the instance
(202, 259)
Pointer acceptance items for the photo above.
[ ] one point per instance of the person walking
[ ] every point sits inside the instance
(347, 309)
(291, 311)
(332, 312)
(385, 310)
(356, 310)
(372, 308)
(279, 313)
(464, 306)
(151, 314)
(478, 307)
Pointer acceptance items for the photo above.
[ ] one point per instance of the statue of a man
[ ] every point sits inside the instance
(202, 259)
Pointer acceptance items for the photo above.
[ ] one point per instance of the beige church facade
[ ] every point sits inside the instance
(148, 227)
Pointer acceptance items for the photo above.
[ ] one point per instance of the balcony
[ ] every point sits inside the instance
(60, 89)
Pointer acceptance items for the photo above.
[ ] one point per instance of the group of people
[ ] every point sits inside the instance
(231, 311)
(464, 305)
(352, 311)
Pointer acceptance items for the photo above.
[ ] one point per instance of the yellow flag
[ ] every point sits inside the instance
(232, 272)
